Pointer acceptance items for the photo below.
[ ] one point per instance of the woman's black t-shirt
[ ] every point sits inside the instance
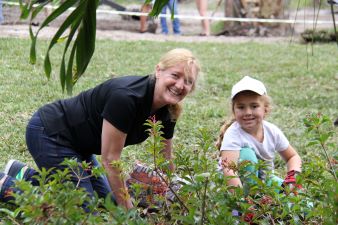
(125, 102)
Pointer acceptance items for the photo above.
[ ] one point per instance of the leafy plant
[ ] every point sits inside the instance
(80, 23)
(319, 128)
(318, 36)
(57, 200)
(204, 197)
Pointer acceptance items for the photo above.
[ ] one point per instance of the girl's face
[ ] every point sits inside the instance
(249, 111)
(172, 85)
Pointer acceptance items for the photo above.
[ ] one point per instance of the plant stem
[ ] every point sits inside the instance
(328, 159)
(172, 190)
(204, 200)
(271, 220)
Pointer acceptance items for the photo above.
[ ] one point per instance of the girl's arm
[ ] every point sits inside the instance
(228, 158)
(112, 144)
(292, 159)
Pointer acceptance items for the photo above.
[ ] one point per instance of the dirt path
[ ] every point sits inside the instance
(21, 31)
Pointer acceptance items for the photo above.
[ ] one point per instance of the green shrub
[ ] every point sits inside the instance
(310, 35)
(204, 197)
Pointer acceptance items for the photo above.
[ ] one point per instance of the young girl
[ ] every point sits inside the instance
(250, 137)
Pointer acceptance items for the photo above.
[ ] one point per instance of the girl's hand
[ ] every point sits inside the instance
(290, 183)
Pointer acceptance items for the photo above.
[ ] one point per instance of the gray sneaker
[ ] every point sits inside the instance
(15, 169)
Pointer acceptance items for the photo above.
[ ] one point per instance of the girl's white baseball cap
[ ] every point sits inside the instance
(248, 84)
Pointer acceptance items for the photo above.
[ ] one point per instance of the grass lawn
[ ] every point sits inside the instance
(300, 80)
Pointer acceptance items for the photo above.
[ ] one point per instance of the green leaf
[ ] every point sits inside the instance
(73, 29)
(86, 39)
(36, 9)
(157, 7)
(58, 11)
(313, 142)
(69, 73)
(47, 66)
(8, 212)
(32, 55)
(201, 177)
(74, 17)
(323, 137)
(25, 9)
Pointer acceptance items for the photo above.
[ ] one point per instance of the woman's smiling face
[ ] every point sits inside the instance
(172, 85)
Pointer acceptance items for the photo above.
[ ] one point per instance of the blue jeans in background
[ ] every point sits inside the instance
(172, 5)
(1, 16)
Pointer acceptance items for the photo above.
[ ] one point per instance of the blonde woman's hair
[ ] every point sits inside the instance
(192, 68)
(227, 123)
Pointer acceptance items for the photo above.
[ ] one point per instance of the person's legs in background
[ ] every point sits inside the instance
(146, 8)
(176, 22)
(163, 20)
(202, 6)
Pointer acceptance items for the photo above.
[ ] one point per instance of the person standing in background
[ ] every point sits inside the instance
(144, 26)
(172, 5)
(202, 6)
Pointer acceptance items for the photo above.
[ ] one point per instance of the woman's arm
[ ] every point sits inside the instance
(112, 144)
(228, 158)
(292, 159)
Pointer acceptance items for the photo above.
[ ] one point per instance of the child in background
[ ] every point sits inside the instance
(250, 137)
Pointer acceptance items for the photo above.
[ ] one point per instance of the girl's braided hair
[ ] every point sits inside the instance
(224, 127)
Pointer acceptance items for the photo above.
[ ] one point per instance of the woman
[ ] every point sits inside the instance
(105, 119)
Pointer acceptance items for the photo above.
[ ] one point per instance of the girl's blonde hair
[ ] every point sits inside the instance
(191, 68)
(226, 124)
